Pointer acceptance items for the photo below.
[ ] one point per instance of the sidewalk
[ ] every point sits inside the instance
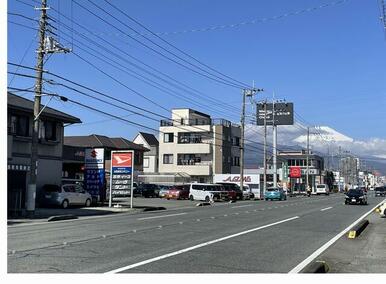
(364, 254)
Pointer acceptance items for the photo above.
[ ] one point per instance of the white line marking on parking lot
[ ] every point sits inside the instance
(197, 246)
(320, 250)
(242, 206)
(325, 209)
(162, 216)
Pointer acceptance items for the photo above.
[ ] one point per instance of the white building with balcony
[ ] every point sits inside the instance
(195, 144)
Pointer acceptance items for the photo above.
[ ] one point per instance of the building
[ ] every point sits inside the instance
(195, 144)
(296, 162)
(150, 159)
(50, 149)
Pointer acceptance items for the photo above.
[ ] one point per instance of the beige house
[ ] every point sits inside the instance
(195, 144)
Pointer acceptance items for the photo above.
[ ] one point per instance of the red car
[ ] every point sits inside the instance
(178, 192)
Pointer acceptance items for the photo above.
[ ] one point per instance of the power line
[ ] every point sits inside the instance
(178, 49)
(214, 78)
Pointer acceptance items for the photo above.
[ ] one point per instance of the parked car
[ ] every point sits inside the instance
(234, 190)
(179, 192)
(207, 192)
(147, 190)
(322, 189)
(382, 209)
(355, 196)
(164, 190)
(380, 191)
(275, 193)
(65, 195)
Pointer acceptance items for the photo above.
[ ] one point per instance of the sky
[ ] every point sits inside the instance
(330, 61)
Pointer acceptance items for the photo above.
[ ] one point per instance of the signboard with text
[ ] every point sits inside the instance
(295, 172)
(284, 114)
(121, 173)
(94, 172)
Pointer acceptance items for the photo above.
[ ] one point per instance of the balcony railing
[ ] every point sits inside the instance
(193, 162)
(193, 122)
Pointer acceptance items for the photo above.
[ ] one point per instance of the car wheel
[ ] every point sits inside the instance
(191, 198)
(65, 204)
(207, 199)
(88, 203)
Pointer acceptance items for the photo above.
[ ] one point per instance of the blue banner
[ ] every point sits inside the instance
(94, 180)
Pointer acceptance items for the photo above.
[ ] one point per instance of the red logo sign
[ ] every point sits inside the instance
(295, 172)
(121, 159)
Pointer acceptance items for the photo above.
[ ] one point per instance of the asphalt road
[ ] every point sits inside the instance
(242, 237)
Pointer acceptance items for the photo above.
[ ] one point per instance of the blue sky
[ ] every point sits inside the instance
(330, 62)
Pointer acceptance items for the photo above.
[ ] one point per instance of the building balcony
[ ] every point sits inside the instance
(198, 169)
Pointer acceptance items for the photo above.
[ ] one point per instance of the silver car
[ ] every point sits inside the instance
(66, 195)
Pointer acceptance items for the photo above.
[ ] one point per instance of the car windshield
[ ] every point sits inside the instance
(355, 192)
(272, 189)
(320, 186)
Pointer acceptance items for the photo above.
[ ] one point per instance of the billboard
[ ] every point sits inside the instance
(121, 177)
(284, 114)
(94, 172)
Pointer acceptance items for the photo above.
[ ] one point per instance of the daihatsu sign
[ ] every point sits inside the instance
(121, 174)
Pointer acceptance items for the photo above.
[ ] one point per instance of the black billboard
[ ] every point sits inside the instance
(284, 114)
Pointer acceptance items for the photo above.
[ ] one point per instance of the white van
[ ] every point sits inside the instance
(207, 192)
(322, 189)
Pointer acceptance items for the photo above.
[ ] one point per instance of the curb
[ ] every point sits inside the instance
(203, 204)
(153, 209)
(358, 229)
(61, 217)
(316, 267)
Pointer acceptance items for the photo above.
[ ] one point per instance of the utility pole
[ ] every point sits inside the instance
(308, 152)
(242, 141)
(274, 144)
(265, 149)
(31, 191)
(245, 93)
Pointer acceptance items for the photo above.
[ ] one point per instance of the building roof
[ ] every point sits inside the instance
(22, 104)
(149, 138)
(94, 141)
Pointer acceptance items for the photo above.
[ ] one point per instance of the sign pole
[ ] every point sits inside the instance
(132, 181)
(111, 182)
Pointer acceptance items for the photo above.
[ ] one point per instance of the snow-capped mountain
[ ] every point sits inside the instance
(323, 140)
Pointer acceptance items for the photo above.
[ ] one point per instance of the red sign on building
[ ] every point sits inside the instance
(295, 172)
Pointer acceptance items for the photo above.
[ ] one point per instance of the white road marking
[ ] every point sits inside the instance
(242, 206)
(325, 209)
(197, 246)
(162, 216)
(305, 262)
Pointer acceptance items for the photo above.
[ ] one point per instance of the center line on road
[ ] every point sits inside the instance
(197, 246)
(162, 216)
(325, 209)
(242, 206)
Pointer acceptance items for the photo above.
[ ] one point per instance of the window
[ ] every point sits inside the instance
(168, 158)
(236, 162)
(19, 125)
(236, 141)
(189, 138)
(50, 130)
(145, 162)
(168, 137)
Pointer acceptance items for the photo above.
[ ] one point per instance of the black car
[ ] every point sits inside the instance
(380, 191)
(232, 187)
(355, 196)
(147, 190)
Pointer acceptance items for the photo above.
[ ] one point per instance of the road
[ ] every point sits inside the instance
(243, 237)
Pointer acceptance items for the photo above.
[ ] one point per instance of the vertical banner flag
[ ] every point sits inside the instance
(94, 171)
(121, 172)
